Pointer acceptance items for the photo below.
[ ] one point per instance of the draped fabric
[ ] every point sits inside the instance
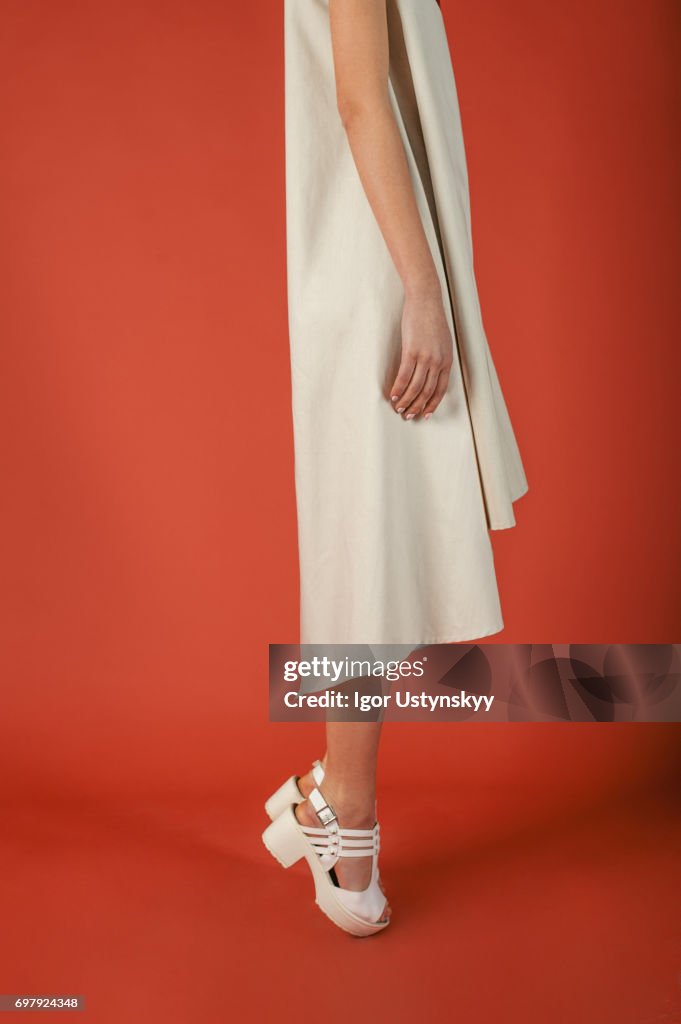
(393, 516)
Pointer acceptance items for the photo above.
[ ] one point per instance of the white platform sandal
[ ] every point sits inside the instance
(288, 841)
(288, 793)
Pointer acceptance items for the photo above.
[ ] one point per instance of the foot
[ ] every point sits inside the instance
(353, 873)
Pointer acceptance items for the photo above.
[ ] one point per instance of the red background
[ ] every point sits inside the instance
(148, 518)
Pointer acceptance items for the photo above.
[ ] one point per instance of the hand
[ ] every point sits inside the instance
(427, 357)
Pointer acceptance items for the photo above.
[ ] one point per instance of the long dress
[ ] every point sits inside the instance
(393, 515)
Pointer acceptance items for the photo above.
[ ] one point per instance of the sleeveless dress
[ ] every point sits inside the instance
(393, 516)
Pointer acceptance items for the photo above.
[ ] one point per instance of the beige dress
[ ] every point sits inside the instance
(393, 516)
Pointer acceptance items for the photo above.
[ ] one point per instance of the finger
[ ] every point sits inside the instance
(413, 388)
(439, 393)
(404, 374)
(419, 404)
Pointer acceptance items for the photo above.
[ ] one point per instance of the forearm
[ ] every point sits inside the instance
(382, 166)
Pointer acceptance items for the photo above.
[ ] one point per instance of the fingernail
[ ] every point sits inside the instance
(393, 398)
(428, 415)
(410, 416)
(401, 410)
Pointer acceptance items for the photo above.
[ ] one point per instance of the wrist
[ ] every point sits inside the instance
(423, 287)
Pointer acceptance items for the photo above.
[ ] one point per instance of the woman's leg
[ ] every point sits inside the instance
(350, 787)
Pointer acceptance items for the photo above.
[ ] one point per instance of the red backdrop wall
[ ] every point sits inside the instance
(148, 519)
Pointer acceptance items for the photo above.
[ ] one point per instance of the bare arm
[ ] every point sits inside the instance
(359, 30)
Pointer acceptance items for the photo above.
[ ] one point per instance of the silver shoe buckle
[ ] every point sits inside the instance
(326, 815)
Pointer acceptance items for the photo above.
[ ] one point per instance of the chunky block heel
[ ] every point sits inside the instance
(284, 840)
(288, 793)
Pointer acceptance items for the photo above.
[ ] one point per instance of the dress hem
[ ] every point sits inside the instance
(464, 639)
(503, 524)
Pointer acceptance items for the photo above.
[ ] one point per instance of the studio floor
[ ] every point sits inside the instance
(504, 910)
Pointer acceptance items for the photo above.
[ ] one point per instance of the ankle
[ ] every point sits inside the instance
(355, 808)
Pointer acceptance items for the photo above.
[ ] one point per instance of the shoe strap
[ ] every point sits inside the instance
(318, 772)
(332, 841)
(325, 812)
(331, 844)
(353, 835)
